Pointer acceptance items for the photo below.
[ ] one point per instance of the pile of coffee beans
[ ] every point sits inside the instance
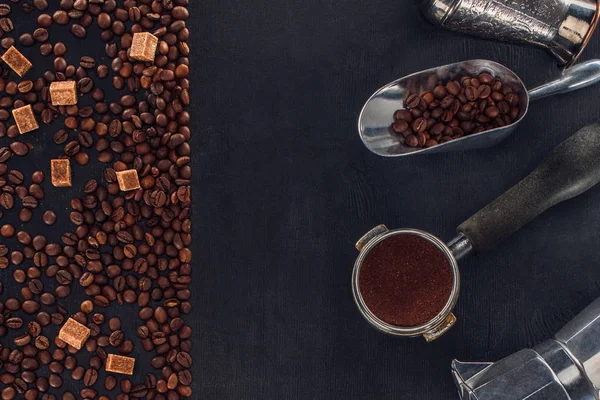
(127, 252)
(455, 109)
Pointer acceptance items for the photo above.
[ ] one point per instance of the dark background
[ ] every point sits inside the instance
(284, 188)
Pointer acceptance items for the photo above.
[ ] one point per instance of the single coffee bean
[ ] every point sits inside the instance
(85, 85)
(49, 217)
(30, 202)
(400, 126)
(7, 200)
(13, 323)
(87, 62)
(412, 101)
(64, 277)
(419, 125)
(40, 35)
(34, 329)
(492, 112)
(116, 338)
(78, 31)
(30, 306)
(36, 286)
(4, 10)
(6, 24)
(184, 359)
(484, 91)
(472, 93)
(485, 78)
(60, 136)
(90, 377)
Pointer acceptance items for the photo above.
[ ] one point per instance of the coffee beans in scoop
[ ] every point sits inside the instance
(457, 108)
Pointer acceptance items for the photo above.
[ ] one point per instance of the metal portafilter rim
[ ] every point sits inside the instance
(436, 326)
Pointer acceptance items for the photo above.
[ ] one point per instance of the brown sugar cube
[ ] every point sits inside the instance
(63, 93)
(16, 61)
(120, 364)
(143, 46)
(60, 171)
(25, 119)
(128, 180)
(74, 333)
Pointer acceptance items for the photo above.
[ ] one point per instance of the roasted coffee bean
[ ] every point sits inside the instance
(64, 277)
(78, 31)
(60, 136)
(55, 381)
(116, 338)
(6, 24)
(110, 382)
(36, 286)
(6, 200)
(412, 101)
(90, 377)
(492, 112)
(146, 231)
(13, 323)
(85, 85)
(30, 306)
(34, 329)
(40, 35)
(42, 342)
(400, 126)
(87, 62)
(40, 4)
(101, 301)
(468, 102)
(4, 10)
(30, 202)
(49, 217)
(184, 359)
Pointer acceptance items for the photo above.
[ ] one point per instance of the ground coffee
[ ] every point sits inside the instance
(405, 280)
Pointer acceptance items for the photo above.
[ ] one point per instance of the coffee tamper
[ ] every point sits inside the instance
(563, 27)
(566, 367)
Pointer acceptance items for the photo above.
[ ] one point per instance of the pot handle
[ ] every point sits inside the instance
(577, 77)
(571, 169)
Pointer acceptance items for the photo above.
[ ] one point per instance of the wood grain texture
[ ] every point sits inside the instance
(286, 188)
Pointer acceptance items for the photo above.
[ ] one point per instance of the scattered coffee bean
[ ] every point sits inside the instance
(130, 238)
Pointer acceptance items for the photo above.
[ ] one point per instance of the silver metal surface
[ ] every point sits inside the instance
(581, 337)
(563, 27)
(460, 247)
(523, 375)
(576, 77)
(432, 329)
(376, 116)
(564, 368)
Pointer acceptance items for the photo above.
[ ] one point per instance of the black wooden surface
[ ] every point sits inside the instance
(284, 187)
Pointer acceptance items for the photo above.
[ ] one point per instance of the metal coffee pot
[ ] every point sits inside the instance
(563, 27)
(566, 367)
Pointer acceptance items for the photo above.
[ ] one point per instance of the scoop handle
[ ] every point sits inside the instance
(570, 170)
(578, 76)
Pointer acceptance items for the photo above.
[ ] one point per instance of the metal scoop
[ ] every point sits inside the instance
(377, 114)
(571, 169)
